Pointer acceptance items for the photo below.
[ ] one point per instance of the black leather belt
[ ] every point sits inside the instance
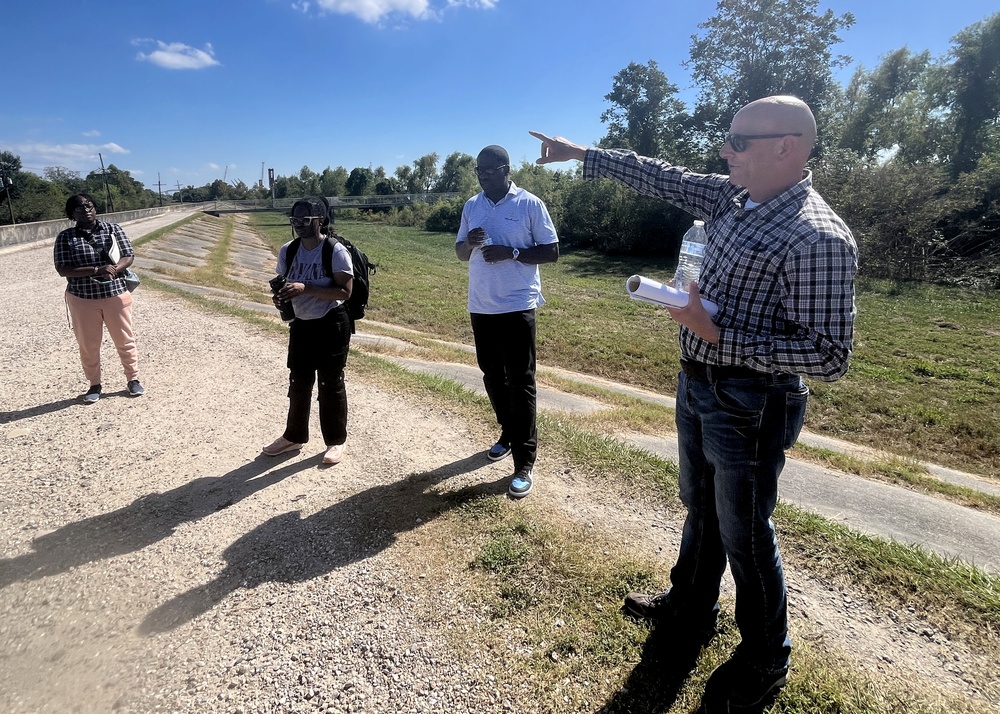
(714, 373)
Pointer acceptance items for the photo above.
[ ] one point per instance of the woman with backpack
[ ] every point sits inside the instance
(319, 334)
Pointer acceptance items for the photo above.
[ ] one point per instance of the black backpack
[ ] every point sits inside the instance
(363, 268)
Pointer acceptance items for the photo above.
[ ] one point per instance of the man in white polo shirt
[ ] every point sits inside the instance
(506, 233)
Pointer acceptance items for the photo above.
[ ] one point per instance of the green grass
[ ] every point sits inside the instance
(924, 380)
(552, 590)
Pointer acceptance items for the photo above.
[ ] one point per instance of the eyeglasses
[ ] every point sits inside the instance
(303, 221)
(488, 172)
(739, 141)
(83, 206)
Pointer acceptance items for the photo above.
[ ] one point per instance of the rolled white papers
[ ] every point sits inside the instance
(647, 290)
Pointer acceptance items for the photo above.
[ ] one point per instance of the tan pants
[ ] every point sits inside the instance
(89, 319)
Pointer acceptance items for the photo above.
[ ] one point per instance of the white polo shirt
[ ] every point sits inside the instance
(519, 220)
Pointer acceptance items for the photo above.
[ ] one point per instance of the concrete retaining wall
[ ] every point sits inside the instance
(42, 230)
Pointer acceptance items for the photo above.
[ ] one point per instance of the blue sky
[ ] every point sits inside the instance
(200, 90)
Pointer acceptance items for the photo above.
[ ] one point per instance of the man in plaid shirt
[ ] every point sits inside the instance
(780, 264)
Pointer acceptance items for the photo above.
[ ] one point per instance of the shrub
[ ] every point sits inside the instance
(445, 216)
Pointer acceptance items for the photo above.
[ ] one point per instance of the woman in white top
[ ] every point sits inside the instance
(320, 333)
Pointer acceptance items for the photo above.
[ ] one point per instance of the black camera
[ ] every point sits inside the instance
(285, 309)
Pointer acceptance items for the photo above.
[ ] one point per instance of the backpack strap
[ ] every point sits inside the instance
(290, 252)
(328, 257)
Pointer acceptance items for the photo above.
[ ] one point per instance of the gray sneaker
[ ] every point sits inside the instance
(135, 389)
(92, 395)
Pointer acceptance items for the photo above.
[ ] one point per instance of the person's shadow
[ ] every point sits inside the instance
(290, 549)
(143, 522)
(8, 417)
(652, 686)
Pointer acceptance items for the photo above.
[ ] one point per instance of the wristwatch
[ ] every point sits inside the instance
(515, 254)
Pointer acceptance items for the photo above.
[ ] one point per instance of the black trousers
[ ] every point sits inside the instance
(318, 348)
(505, 350)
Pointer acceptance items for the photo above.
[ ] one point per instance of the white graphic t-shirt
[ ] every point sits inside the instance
(308, 269)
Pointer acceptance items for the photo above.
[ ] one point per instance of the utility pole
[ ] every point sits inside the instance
(180, 192)
(159, 188)
(104, 175)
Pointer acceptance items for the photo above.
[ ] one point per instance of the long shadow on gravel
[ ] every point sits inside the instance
(8, 417)
(143, 522)
(290, 549)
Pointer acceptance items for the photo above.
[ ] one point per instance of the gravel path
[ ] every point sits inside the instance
(152, 561)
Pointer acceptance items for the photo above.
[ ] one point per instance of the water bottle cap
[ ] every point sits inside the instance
(699, 223)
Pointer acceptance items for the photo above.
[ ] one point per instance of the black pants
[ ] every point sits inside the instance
(505, 350)
(318, 347)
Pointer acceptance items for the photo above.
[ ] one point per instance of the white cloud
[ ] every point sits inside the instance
(373, 10)
(212, 166)
(485, 4)
(93, 133)
(175, 55)
(68, 155)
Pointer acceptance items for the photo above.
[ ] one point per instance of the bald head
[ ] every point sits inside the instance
(772, 139)
(780, 114)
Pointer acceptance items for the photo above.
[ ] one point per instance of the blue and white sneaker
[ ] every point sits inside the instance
(520, 485)
(498, 451)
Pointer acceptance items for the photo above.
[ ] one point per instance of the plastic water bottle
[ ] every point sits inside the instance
(691, 256)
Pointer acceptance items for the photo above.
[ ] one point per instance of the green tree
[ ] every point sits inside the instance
(880, 107)
(310, 182)
(60, 174)
(404, 178)
(756, 48)
(219, 191)
(333, 182)
(971, 89)
(361, 182)
(424, 174)
(645, 115)
(457, 175)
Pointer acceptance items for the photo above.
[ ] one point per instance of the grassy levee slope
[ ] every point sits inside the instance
(924, 381)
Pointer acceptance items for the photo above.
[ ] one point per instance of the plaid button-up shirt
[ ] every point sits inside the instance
(782, 273)
(76, 248)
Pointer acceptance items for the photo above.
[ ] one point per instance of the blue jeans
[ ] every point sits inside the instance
(732, 436)
(505, 351)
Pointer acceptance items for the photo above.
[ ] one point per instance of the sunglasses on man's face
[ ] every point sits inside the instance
(303, 221)
(489, 172)
(739, 142)
(83, 206)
